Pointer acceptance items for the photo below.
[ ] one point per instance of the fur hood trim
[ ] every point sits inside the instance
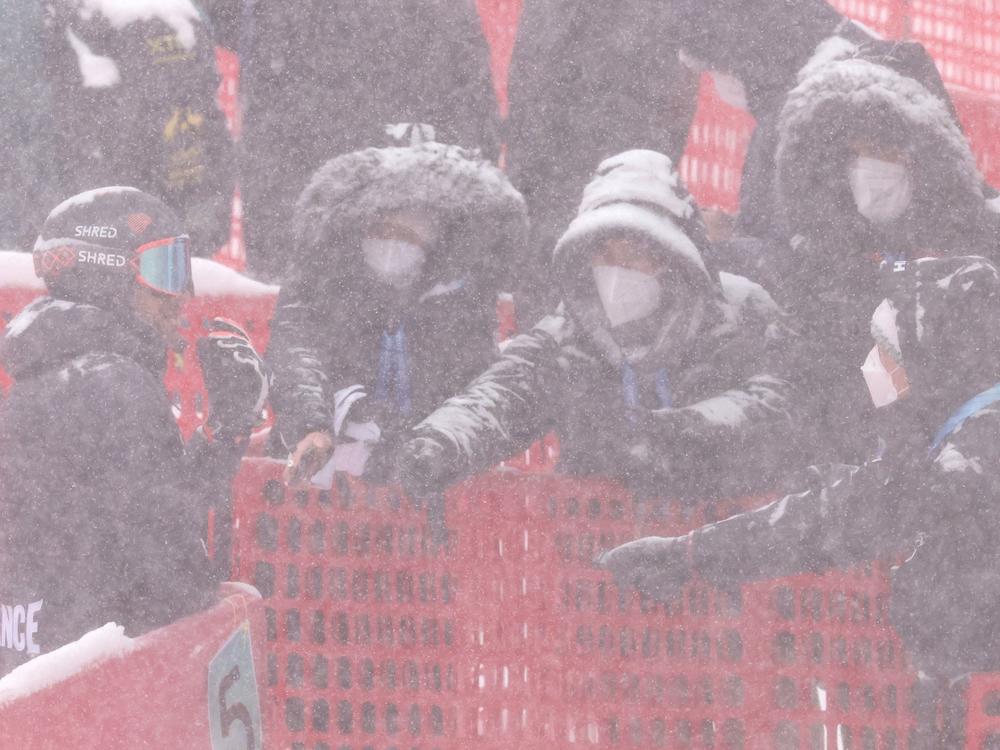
(850, 99)
(468, 194)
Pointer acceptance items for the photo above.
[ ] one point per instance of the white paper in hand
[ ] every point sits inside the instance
(350, 453)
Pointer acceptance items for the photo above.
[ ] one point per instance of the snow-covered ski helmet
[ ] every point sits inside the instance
(97, 246)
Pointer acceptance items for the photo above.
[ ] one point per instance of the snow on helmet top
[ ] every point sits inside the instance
(94, 247)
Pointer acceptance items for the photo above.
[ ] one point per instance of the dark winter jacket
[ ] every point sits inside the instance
(102, 512)
(323, 78)
(135, 103)
(332, 314)
(827, 276)
(25, 126)
(588, 80)
(939, 508)
(709, 418)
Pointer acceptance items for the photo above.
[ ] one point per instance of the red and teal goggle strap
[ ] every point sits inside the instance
(165, 265)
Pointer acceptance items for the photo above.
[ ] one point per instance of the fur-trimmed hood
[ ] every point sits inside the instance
(856, 98)
(483, 216)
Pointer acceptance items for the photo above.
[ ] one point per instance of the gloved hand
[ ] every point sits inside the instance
(308, 457)
(381, 469)
(657, 567)
(363, 433)
(662, 426)
(237, 380)
(425, 466)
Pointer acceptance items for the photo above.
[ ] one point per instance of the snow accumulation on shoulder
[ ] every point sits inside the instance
(98, 71)
(213, 279)
(28, 315)
(97, 646)
(180, 15)
(17, 271)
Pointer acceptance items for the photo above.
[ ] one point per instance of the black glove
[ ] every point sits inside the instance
(236, 378)
(657, 567)
(380, 469)
(425, 466)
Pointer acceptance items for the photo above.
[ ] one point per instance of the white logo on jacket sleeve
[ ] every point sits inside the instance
(18, 627)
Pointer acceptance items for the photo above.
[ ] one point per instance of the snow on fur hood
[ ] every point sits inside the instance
(855, 98)
(352, 191)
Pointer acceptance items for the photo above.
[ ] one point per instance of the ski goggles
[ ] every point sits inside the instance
(165, 265)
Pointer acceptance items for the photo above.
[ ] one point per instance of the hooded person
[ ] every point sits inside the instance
(734, 40)
(134, 102)
(654, 369)
(391, 303)
(871, 167)
(587, 80)
(320, 78)
(931, 498)
(103, 510)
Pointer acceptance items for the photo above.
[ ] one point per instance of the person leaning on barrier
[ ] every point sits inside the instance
(391, 304)
(103, 510)
(871, 166)
(932, 498)
(654, 369)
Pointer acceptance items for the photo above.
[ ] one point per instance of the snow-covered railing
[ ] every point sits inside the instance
(195, 685)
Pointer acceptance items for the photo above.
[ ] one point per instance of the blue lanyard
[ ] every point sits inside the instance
(966, 410)
(394, 371)
(630, 388)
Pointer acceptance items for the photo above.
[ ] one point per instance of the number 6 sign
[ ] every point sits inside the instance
(233, 702)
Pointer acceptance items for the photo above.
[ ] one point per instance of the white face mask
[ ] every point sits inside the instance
(626, 295)
(882, 189)
(396, 262)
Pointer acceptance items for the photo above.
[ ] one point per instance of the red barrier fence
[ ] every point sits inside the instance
(190, 686)
(482, 621)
